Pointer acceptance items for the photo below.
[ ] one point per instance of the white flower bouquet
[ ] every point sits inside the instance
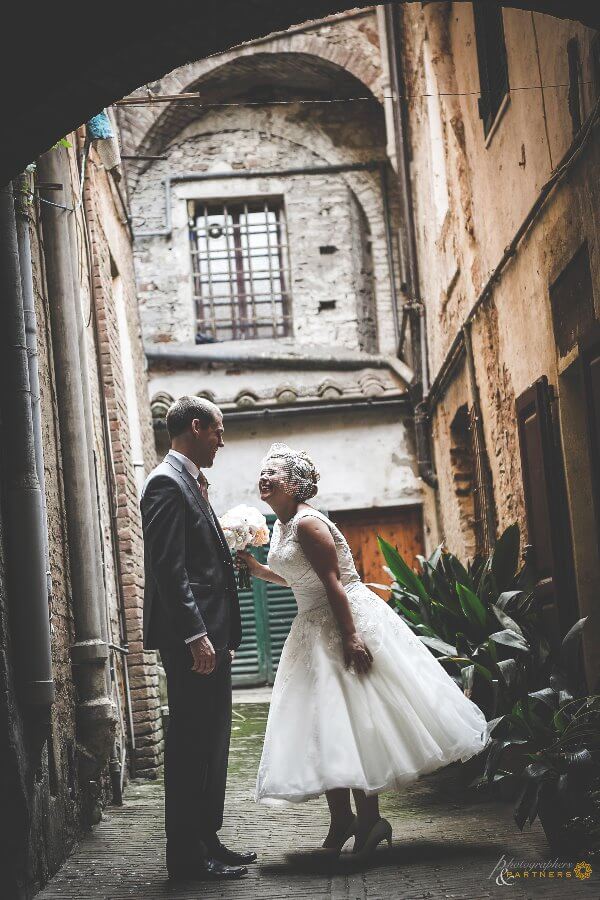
(243, 527)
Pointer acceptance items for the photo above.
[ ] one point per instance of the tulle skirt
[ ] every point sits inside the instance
(329, 727)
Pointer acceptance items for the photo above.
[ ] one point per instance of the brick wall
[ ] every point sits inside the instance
(107, 261)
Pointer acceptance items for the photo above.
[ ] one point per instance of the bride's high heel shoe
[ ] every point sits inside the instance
(381, 831)
(338, 846)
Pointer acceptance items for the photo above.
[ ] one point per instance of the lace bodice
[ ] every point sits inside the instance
(287, 558)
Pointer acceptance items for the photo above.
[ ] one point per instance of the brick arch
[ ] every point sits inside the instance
(148, 130)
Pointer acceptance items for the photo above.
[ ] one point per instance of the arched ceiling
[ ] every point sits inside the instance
(62, 63)
(268, 76)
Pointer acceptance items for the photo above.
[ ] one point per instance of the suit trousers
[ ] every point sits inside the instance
(196, 751)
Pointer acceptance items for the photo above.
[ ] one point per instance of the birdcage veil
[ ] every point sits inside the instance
(300, 472)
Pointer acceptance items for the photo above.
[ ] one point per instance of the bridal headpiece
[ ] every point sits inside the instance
(300, 471)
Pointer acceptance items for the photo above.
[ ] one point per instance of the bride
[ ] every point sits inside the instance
(359, 703)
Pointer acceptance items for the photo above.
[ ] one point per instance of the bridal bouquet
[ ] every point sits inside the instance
(243, 527)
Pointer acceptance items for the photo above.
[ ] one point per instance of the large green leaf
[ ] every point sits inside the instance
(455, 571)
(546, 695)
(471, 605)
(506, 620)
(468, 679)
(510, 672)
(510, 639)
(410, 614)
(437, 644)
(468, 662)
(402, 572)
(435, 556)
(507, 598)
(505, 557)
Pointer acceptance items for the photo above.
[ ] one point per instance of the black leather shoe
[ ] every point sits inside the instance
(208, 869)
(218, 851)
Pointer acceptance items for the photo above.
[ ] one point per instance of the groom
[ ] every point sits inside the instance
(192, 615)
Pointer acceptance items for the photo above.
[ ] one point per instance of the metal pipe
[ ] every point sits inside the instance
(389, 249)
(333, 169)
(88, 419)
(25, 531)
(112, 481)
(402, 151)
(408, 242)
(89, 653)
(424, 461)
(24, 243)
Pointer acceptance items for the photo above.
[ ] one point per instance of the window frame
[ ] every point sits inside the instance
(244, 321)
(490, 36)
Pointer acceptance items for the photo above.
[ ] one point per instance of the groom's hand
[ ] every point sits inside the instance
(203, 653)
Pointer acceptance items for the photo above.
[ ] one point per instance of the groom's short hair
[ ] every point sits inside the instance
(182, 413)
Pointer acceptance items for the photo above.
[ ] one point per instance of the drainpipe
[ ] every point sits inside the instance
(84, 368)
(389, 249)
(89, 653)
(414, 309)
(117, 762)
(22, 214)
(423, 439)
(26, 558)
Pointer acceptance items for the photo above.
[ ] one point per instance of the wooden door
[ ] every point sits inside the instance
(546, 505)
(401, 526)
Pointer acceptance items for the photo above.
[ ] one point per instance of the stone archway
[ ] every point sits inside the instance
(181, 123)
(59, 82)
(298, 65)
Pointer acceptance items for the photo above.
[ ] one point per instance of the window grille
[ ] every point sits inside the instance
(491, 59)
(240, 267)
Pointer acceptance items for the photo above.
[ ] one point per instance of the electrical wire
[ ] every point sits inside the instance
(186, 98)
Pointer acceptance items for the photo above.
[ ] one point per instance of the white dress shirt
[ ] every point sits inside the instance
(194, 472)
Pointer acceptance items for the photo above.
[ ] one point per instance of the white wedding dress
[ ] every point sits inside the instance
(330, 727)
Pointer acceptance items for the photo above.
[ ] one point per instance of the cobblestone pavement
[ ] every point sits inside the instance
(446, 844)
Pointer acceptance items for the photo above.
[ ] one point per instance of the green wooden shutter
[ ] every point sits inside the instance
(268, 611)
(281, 610)
(248, 666)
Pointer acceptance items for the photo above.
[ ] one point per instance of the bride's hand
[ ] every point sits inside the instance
(243, 556)
(357, 654)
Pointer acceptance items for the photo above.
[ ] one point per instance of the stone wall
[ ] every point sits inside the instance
(335, 223)
(52, 798)
(111, 250)
(491, 186)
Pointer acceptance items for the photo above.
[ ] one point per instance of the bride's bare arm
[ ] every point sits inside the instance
(260, 571)
(315, 539)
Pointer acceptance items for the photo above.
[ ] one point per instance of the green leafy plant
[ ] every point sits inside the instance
(548, 745)
(480, 620)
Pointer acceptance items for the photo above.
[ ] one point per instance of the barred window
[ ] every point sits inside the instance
(240, 266)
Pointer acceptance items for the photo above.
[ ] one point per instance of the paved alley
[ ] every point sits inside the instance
(444, 846)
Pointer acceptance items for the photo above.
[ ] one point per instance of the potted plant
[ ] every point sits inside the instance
(481, 621)
(549, 744)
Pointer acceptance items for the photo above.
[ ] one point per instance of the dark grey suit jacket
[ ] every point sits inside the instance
(190, 579)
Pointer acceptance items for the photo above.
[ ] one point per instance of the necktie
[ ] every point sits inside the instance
(203, 486)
